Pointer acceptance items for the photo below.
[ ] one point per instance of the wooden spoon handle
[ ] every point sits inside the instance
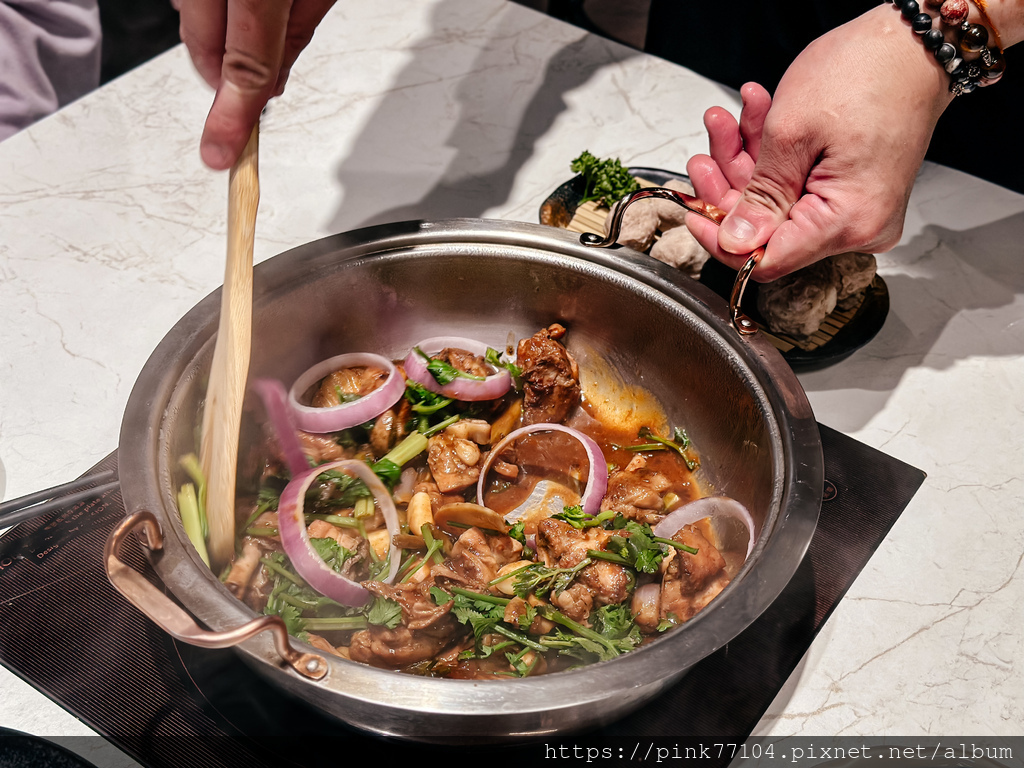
(222, 414)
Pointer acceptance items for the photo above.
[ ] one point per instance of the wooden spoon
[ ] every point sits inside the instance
(222, 414)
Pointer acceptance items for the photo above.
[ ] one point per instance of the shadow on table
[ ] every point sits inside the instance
(434, 167)
(976, 273)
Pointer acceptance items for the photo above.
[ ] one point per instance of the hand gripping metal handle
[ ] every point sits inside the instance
(741, 322)
(167, 615)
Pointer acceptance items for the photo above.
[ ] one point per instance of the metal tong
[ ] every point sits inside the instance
(743, 324)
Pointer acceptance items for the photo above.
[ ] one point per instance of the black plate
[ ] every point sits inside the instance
(852, 333)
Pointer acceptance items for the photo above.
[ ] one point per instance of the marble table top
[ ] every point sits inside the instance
(110, 229)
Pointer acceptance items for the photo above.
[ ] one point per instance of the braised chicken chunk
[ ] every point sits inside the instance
(551, 378)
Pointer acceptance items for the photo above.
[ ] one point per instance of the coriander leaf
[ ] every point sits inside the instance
(422, 400)
(331, 552)
(540, 580)
(439, 596)
(267, 499)
(518, 532)
(388, 472)
(639, 549)
(384, 612)
(336, 489)
(493, 358)
(289, 613)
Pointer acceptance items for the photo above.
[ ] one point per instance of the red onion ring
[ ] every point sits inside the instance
(275, 400)
(597, 479)
(295, 538)
(721, 507)
(346, 415)
(491, 388)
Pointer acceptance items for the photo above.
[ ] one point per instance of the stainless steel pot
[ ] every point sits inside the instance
(385, 288)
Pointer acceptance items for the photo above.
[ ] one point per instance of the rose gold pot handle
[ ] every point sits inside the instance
(167, 615)
(741, 322)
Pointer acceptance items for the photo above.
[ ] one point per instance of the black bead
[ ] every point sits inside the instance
(932, 39)
(945, 52)
(921, 23)
(910, 9)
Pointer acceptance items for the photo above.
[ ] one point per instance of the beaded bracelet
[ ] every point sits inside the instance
(984, 69)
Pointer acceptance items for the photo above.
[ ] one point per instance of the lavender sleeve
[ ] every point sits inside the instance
(49, 56)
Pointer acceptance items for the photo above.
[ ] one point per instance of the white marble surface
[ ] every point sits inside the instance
(110, 229)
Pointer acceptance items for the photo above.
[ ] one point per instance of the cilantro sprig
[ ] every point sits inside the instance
(603, 180)
(680, 443)
(444, 372)
(577, 518)
(493, 358)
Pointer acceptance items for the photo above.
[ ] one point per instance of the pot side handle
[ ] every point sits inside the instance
(743, 324)
(167, 615)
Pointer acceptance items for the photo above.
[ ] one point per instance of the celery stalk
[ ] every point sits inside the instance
(188, 506)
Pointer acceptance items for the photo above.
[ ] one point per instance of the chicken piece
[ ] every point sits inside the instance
(639, 224)
(389, 428)
(559, 545)
(551, 378)
(425, 630)
(395, 648)
(636, 492)
(342, 385)
(576, 601)
(515, 612)
(608, 582)
(799, 302)
(477, 557)
(321, 644)
(419, 611)
(453, 461)
(464, 361)
(563, 546)
(320, 448)
(690, 582)
(679, 249)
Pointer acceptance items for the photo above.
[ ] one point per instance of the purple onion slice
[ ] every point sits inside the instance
(275, 400)
(295, 538)
(490, 388)
(730, 520)
(597, 479)
(346, 415)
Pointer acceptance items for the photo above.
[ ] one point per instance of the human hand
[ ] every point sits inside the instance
(245, 50)
(827, 166)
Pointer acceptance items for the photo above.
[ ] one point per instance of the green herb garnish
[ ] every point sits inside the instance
(679, 443)
(384, 612)
(605, 181)
(443, 372)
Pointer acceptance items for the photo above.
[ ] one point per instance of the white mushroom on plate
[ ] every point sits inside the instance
(678, 248)
(798, 303)
(639, 224)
